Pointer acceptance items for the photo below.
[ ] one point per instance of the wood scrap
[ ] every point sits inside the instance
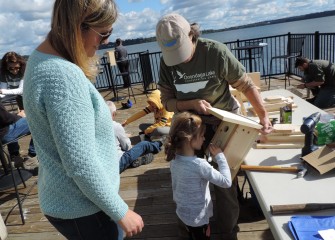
(286, 128)
(274, 103)
(282, 138)
(276, 145)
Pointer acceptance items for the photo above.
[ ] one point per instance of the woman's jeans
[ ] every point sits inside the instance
(15, 131)
(98, 226)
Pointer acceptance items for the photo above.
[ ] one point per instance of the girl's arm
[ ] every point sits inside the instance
(221, 178)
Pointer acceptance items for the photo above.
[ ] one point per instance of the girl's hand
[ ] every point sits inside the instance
(124, 123)
(214, 150)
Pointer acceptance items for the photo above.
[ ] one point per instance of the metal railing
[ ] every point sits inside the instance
(316, 46)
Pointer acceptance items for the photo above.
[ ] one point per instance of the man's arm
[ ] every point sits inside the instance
(256, 101)
(309, 85)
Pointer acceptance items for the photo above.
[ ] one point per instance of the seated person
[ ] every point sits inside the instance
(13, 126)
(11, 77)
(319, 77)
(134, 156)
(162, 118)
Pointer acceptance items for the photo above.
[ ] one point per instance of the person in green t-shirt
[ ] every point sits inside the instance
(319, 77)
(195, 74)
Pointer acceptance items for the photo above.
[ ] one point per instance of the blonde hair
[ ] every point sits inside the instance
(184, 127)
(70, 19)
(111, 106)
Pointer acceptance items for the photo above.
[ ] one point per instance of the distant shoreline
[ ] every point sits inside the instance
(276, 21)
(281, 20)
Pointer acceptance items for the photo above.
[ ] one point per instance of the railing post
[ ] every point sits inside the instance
(238, 52)
(289, 53)
(317, 45)
(109, 75)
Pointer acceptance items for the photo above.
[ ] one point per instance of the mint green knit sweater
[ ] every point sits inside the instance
(74, 139)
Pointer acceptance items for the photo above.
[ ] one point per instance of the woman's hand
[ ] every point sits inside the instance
(131, 223)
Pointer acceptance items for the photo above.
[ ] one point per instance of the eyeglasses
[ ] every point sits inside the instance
(104, 37)
(11, 69)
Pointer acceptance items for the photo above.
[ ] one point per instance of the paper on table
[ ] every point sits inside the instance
(322, 159)
(328, 234)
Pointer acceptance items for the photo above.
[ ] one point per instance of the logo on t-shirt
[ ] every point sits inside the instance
(191, 83)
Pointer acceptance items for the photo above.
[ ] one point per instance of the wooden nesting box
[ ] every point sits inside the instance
(235, 135)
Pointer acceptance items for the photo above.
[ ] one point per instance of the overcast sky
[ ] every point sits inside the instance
(25, 23)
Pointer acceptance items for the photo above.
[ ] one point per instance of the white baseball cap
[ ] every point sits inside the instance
(172, 34)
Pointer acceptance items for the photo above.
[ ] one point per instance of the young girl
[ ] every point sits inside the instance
(191, 175)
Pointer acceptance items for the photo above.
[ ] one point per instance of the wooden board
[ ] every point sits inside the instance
(286, 128)
(111, 57)
(276, 145)
(234, 118)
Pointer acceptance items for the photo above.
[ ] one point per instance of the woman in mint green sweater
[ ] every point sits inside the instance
(79, 172)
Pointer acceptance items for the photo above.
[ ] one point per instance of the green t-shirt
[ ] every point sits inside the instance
(207, 76)
(320, 71)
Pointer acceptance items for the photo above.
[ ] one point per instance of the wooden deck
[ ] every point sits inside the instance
(146, 189)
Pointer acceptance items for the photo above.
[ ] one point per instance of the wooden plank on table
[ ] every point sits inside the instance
(286, 128)
(275, 145)
(282, 138)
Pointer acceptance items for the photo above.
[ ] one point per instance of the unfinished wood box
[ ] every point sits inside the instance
(111, 57)
(235, 136)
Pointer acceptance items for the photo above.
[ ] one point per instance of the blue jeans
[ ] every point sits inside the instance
(325, 98)
(137, 151)
(15, 131)
(96, 226)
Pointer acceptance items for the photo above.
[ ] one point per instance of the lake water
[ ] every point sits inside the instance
(323, 25)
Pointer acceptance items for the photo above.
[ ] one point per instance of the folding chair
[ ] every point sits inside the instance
(294, 50)
(133, 70)
(12, 178)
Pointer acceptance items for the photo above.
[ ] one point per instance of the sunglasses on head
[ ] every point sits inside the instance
(105, 36)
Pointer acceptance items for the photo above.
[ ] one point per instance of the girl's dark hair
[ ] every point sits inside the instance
(195, 32)
(185, 126)
(12, 57)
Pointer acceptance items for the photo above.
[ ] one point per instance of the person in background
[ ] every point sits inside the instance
(12, 127)
(121, 57)
(162, 118)
(72, 128)
(134, 156)
(319, 77)
(11, 77)
(195, 74)
(191, 175)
